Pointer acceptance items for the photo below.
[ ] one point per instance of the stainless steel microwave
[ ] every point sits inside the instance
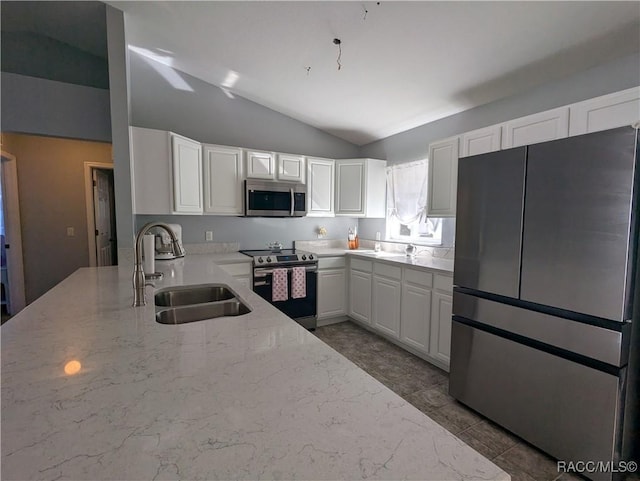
(274, 199)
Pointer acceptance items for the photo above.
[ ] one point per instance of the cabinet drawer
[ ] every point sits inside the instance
(443, 283)
(388, 270)
(242, 269)
(361, 265)
(330, 262)
(420, 278)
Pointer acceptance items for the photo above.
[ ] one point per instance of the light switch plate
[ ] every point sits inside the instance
(71, 232)
(208, 235)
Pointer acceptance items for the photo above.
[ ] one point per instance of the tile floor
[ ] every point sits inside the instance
(425, 386)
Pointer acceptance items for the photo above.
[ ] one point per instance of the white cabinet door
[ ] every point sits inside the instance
(320, 187)
(606, 112)
(187, 175)
(481, 141)
(443, 178)
(360, 295)
(386, 305)
(290, 167)
(151, 171)
(440, 343)
(540, 127)
(223, 176)
(361, 188)
(350, 187)
(331, 293)
(415, 318)
(261, 165)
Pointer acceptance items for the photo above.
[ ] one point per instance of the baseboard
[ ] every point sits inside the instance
(331, 320)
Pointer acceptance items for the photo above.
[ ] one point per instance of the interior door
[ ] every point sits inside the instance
(102, 203)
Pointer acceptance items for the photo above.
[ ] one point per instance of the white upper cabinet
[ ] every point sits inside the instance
(536, 128)
(261, 165)
(187, 175)
(320, 187)
(606, 112)
(290, 167)
(360, 188)
(223, 177)
(151, 171)
(481, 141)
(443, 177)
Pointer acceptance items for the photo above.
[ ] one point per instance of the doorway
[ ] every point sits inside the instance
(12, 267)
(101, 214)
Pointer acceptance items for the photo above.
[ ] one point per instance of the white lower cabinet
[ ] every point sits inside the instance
(415, 316)
(360, 290)
(409, 306)
(332, 287)
(387, 294)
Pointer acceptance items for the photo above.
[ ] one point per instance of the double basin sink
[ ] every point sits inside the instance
(183, 304)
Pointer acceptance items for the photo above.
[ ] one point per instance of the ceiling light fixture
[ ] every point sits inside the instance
(338, 42)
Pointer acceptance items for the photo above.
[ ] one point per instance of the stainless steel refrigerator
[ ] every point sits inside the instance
(545, 262)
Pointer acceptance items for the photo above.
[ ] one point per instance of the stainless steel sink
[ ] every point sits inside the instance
(200, 312)
(187, 295)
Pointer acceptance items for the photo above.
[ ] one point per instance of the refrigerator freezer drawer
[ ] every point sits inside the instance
(564, 408)
(605, 345)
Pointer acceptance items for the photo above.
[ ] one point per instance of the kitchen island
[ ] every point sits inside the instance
(93, 388)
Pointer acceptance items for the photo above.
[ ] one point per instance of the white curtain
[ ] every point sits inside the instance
(407, 191)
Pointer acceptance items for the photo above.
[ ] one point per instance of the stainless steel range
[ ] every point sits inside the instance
(266, 262)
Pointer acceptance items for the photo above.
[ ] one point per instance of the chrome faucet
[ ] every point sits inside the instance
(139, 298)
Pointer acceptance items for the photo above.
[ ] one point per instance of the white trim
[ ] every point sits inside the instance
(88, 195)
(13, 234)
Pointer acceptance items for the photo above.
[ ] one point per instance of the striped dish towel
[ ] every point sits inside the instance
(279, 285)
(298, 282)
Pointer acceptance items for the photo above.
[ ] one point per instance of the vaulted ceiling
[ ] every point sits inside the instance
(398, 65)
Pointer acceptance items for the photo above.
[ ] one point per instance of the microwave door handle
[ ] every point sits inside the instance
(292, 201)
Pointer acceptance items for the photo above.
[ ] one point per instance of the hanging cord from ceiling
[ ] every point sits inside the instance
(338, 42)
(365, 13)
(308, 69)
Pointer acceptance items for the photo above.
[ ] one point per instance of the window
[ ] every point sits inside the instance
(407, 205)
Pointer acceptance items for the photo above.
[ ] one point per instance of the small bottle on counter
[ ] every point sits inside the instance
(357, 242)
(351, 239)
(376, 246)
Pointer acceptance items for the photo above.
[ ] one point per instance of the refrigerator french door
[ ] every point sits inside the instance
(546, 252)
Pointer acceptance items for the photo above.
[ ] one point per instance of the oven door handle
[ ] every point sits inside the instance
(293, 201)
(263, 272)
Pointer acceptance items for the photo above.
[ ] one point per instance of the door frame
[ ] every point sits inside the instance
(13, 233)
(88, 193)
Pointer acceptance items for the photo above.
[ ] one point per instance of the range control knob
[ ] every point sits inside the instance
(310, 257)
(268, 259)
(304, 258)
(260, 260)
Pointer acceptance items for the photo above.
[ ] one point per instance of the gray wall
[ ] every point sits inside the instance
(46, 107)
(413, 144)
(35, 55)
(167, 99)
(253, 232)
(120, 119)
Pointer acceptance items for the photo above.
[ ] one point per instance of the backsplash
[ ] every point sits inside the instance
(252, 232)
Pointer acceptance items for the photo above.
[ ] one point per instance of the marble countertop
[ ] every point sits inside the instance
(426, 261)
(248, 397)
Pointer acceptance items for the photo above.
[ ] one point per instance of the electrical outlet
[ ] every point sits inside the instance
(208, 235)
(71, 232)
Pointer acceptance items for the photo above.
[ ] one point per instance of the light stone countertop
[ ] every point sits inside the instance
(248, 397)
(426, 261)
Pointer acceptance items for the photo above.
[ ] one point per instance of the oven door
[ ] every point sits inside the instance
(295, 308)
(275, 199)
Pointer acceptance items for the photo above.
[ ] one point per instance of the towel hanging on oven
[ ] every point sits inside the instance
(298, 282)
(279, 285)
